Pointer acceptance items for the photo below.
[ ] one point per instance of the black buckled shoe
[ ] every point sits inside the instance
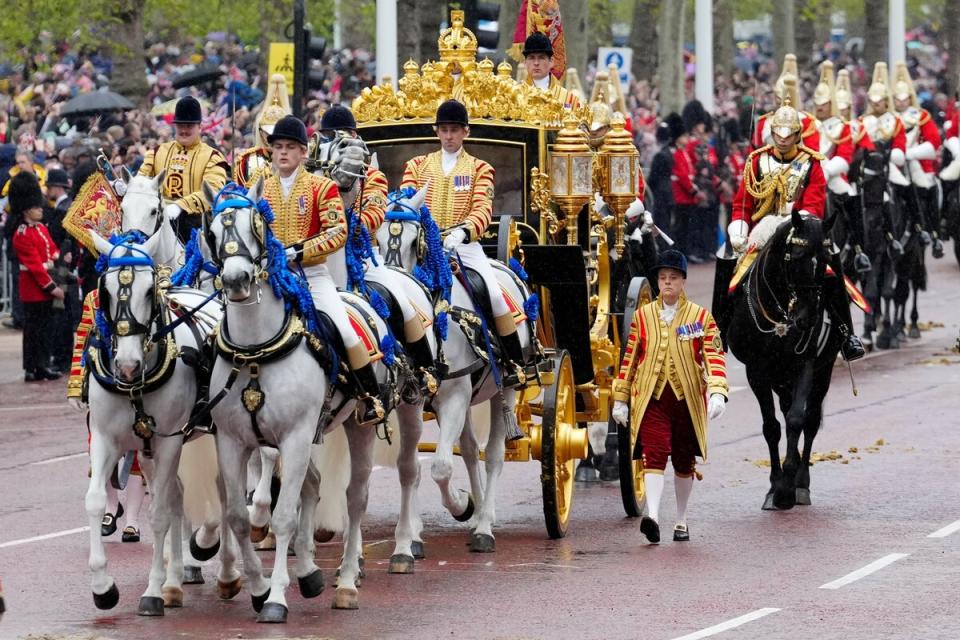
(108, 526)
(130, 534)
(681, 533)
(852, 348)
(650, 528)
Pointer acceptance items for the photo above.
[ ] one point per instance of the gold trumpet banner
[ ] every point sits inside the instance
(95, 208)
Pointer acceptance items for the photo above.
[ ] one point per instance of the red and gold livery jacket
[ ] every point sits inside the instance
(187, 170)
(778, 185)
(886, 128)
(809, 136)
(687, 354)
(373, 204)
(249, 163)
(75, 383)
(462, 199)
(928, 132)
(36, 252)
(311, 218)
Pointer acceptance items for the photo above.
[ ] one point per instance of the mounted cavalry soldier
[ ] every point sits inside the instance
(672, 380)
(923, 142)
(778, 180)
(340, 154)
(885, 127)
(188, 163)
(276, 105)
(538, 61)
(838, 148)
(310, 222)
(786, 88)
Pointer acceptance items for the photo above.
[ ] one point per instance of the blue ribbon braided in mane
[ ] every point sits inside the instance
(531, 306)
(358, 248)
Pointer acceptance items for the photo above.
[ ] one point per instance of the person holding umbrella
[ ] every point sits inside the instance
(188, 163)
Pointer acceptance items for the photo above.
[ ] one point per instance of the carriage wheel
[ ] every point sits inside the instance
(562, 443)
(631, 471)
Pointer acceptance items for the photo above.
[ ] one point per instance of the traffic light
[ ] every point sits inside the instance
(481, 18)
(308, 54)
(315, 47)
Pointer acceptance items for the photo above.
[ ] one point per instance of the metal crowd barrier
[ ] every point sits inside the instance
(6, 282)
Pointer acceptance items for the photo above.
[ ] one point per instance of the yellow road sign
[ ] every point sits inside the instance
(281, 61)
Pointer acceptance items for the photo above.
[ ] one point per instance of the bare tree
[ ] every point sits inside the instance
(875, 39)
(509, 11)
(784, 38)
(723, 45)
(643, 38)
(670, 70)
(575, 19)
(951, 28)
(126, 39)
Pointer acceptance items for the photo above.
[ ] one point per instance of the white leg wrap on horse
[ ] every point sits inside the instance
(327, 299)
(653, 483)
(472, 256)
(683, 487)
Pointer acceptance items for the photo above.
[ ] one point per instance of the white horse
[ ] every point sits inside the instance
(284, 397)
(453, 400)
(137, 386)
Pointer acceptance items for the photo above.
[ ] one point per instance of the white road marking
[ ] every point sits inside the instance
(35, 407)
(47, 536)
(71, 456)
(544, 564)
(873, 567)
(734, 389)
(947, 530)
(729, 624)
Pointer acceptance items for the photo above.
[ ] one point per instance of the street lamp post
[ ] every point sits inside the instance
(896, 33)
(703, 37)
(386, 40)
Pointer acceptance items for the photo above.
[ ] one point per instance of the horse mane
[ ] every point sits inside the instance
(141, 185)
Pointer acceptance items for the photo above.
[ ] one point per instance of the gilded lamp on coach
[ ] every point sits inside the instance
(571, 173)
(620, 160)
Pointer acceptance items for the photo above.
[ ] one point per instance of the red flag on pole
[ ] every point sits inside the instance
(542, 16)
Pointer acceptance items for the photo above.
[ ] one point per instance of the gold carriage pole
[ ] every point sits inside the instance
(571, 173)
(621, 172)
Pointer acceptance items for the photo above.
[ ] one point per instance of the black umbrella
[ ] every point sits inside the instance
(96, 102)
(197, 75)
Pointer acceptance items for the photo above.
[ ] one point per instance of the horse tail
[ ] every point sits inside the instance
(332, 459)
(198, 473)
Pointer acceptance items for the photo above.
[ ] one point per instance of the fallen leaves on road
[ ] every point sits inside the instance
(934, 362)
(926, 326)
(829, 456)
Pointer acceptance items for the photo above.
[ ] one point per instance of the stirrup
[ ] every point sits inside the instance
(369, 410)
(514, 375)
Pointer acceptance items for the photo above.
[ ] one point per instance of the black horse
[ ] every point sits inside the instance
(777, 327)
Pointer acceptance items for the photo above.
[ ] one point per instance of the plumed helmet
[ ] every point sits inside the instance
(672, 259)
(188, 111)
(452, 112)
(903, 84)
(824, 93)
(878, 91)
(785, 121)
(842, 94)
(24, 193)
(337, 118)
(537, 42)
(276, 104)
(289, 128)
(787, 84)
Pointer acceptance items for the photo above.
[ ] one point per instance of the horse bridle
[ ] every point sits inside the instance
(231, 244)
(126, 323)
(402, 212)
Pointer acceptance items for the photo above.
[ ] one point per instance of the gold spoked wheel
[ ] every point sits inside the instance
(631, 471)
(562, 443)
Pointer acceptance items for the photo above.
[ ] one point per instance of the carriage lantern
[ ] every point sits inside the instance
(571, 182)
(621, 173)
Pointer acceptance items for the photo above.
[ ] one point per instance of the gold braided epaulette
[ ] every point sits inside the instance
(816, 155)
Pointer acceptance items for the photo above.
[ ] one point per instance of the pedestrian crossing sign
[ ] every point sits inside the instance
(281, 61)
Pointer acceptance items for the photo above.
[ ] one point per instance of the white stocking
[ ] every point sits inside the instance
(683, 487)
(653, 482)
(134, 500)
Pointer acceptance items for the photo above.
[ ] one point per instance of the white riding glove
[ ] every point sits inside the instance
(119, 187)
(738, 230)
(291, 254)
(598, 203)
(77, 404)
(635, 210)
(716, 406)
(172, 211)
(454, 239)
(621, 413)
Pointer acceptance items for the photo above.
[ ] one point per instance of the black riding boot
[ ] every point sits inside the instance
(371, 409)
(514, 353)
(838, 307)
(424, 364)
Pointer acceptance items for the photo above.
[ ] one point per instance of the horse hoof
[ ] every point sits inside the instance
(418, 550)
(785, 499)
(311, 585)
(914, 332)
(192, 574)
(586, 472)
(259, 600)
(202, 554)
(482, 543)
(227, 590)
(273, 612)
(151, 606)
(768, 502)
(883, 342)
(257, 534)
(401, 563)
(346, 598)
(108, 599)
(803, 497)
(468, 512)
(322, 535)
(172, 597)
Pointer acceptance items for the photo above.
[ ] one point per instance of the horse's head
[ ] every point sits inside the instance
(399, 238)
(806, 244)
(129, 301)
(142, 204)
(235, 232)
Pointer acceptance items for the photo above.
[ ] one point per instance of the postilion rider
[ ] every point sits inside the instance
(460, 198)
(672, 379)
(309, 220)
(778, 179)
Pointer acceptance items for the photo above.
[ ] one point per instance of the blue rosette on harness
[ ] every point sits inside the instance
(359, 248)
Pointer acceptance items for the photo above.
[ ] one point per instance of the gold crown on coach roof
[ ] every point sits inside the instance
(457, 43)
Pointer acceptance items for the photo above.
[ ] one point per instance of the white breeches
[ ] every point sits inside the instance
(326, 298)
(472, 255)
(393, 282)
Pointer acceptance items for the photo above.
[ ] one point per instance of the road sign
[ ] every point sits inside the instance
(281, 61)
(621, 57)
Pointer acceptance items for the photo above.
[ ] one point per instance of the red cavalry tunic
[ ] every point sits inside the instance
(810, 194)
